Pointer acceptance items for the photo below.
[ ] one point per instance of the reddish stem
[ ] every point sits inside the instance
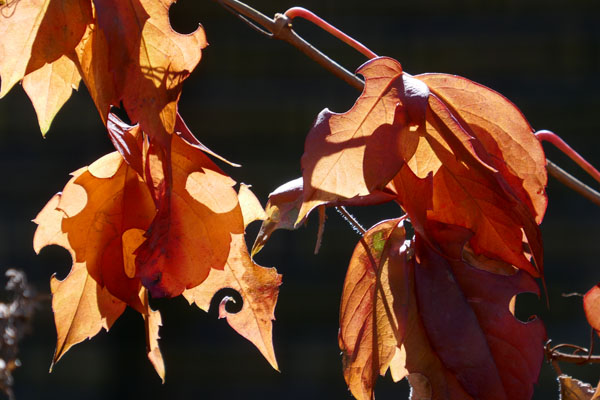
(326, 26)
(551, 137)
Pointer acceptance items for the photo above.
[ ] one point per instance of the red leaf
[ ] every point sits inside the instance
(482, 349)
(460, 339)
(591, 305)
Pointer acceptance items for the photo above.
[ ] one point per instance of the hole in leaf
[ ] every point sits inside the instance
(59, 258)
(232, 306)
(525, 306)
(183, 16)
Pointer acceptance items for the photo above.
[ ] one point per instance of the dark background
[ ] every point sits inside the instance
(253, 100)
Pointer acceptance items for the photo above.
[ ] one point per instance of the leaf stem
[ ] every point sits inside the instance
(551, 137)
(554, 356)
(573, 183)
(281, 28)
(296, 12)
(351, 220)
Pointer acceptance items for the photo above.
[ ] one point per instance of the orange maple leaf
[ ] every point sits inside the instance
(126, 52)
(38, 42)
(81, 306)
(132, 55)
(130, 230)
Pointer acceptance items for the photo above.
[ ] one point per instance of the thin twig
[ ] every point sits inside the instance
(351, 220)
(573, 183)
(281, 28)
(575, 348)
(554, 356)
(575, 358)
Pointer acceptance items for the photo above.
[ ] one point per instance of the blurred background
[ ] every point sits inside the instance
(253, 100)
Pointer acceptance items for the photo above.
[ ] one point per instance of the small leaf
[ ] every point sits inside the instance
(81, 308)
(258, 287)
(284, 205)
(591, 305)
(152, 323)
(49, 87)
(251, 208)
(281, 212)
(574, 389)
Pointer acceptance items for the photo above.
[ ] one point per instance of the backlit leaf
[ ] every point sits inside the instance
(353, 154)
(132, 55)
(81, 308)
(466, 166)
(591, 305)
(152, 323)
(191, 232)
(49, 87)
(38, 39)
(117, 201)
(374, 306)
(258, 287)
(574, 389)
(503, 132)
(460, 340)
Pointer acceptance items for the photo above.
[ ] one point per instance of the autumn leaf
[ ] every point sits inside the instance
(152, 323)
(505, 136)
(574, 389)
(38, 42)
(472, 332)
(49, 88)
(591, 306)
(353, 154)
(374, 306)
(136, 35)
(117, 201)
(81, 307)
(397, 121)
(284, 206)
(258, 287)
(191, 232)
(250, 206)
(459, 334)
(281, 212)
